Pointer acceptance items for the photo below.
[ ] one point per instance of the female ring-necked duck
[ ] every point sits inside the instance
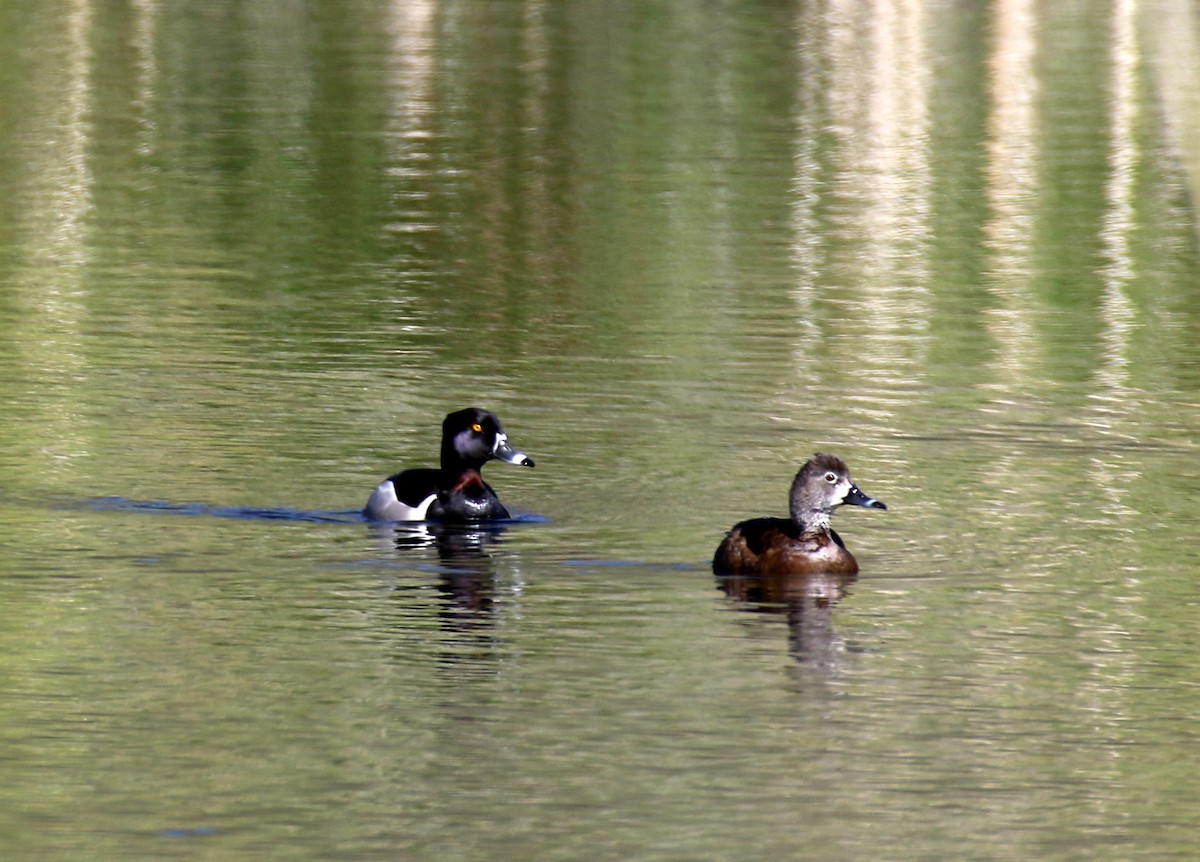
(456, 492)
(805, 543)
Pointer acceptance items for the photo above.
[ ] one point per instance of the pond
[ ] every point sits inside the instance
(254, 253)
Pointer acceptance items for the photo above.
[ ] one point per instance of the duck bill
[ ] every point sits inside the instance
(858, 498)
(505, 452)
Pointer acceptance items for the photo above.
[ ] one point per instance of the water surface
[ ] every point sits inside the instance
(252, 255)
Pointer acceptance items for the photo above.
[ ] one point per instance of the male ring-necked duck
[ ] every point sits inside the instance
(456, 492)
(805, 543)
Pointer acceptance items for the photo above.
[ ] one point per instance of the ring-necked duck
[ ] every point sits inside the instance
(456, 492)
(805, 543)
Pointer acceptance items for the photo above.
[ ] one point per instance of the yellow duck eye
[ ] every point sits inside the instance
(477, 428)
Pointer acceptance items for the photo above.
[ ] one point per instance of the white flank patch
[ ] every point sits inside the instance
(383, 505)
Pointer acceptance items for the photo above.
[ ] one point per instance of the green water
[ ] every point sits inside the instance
(250, 255)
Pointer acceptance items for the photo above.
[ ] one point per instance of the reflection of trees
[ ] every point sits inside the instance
(788, 210)
(1171, 29)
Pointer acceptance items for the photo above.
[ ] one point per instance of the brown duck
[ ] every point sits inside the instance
(805, 543)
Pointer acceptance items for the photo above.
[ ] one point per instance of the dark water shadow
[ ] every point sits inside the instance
(205, 510)
(807, 603)
(466, 577)
(259, 513)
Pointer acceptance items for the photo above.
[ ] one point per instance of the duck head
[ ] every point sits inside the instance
(472, 437)
(820, 486)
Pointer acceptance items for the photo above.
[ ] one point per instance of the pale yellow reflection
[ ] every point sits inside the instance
(879, 102)
(145, 35)
(1012, 184)
(878, 98)
(806, 184)
(1115, 402)
(411, 72)
(1173, 28)
(56, 200)
(1011, 174)
(410, 132)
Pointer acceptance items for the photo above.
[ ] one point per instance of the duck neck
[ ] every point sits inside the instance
(455, 470)
(454, 464)
(812, 522)
(464, 481)
(450, 462)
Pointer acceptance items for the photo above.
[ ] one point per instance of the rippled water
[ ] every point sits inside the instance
(252, 255)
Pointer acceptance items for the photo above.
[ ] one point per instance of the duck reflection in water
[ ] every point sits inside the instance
(466, 579)
(799, 565)
(807, 601)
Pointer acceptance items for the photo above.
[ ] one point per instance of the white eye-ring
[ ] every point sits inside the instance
(831, 477)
